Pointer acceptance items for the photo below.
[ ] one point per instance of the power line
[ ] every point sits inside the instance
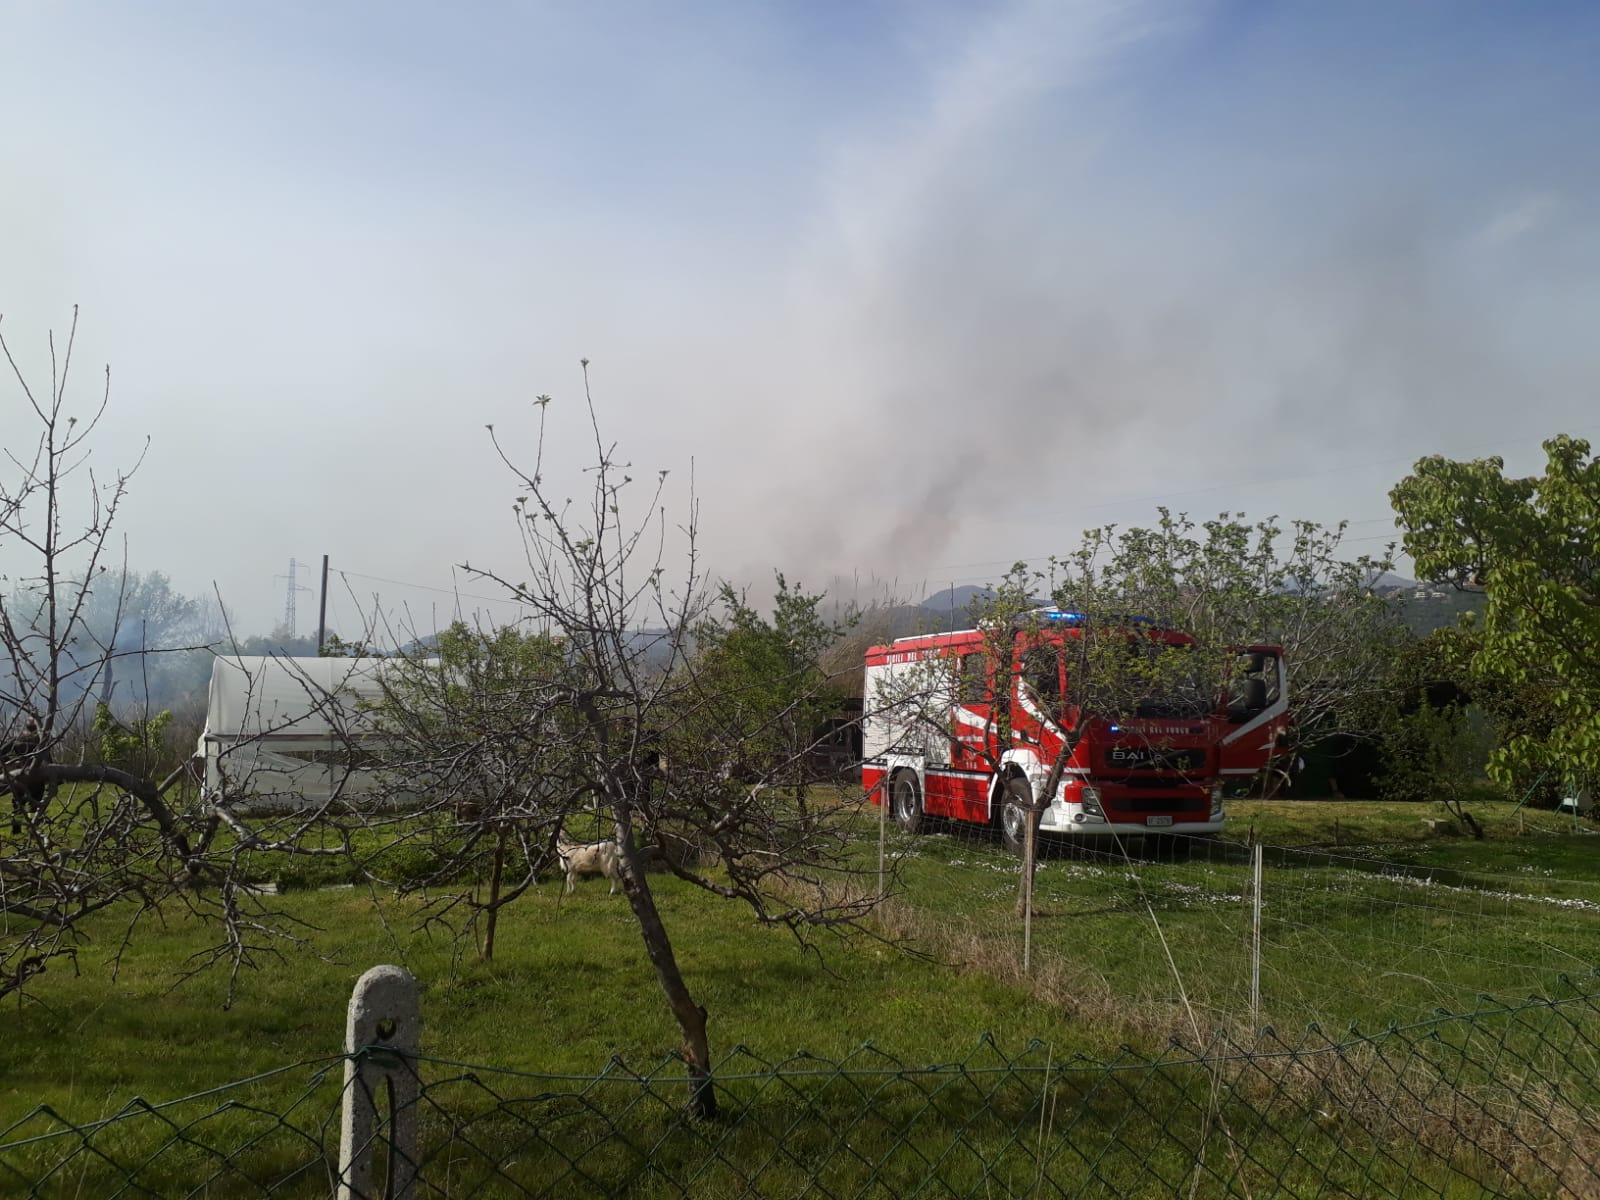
(424, 587)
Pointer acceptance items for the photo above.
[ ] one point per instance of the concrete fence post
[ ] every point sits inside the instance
(385, 1020)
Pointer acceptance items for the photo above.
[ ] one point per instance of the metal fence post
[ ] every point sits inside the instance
(1255, 937)
(883, 838)
(382, 1041)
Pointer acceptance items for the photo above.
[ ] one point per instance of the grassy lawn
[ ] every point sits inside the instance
(1367, 919)
(550, 999)
(1335, 823)
(1391, 924)
(569, 988)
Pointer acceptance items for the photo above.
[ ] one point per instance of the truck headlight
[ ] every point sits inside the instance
(1090, 799)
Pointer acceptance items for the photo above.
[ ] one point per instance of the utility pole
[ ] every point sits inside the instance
(322, 608)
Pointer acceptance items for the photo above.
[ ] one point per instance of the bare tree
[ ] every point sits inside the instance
(87, 837)
(600, 716)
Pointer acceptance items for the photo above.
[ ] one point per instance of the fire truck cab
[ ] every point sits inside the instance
(948, 731)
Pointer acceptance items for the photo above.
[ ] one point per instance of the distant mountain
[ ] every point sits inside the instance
(903, 620)
(1437, 607)
(960, 601)
(957, 599)
(1385, 583)
(1390, 582)
(878, 625)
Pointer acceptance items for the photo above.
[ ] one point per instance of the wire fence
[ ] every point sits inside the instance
(1188, 932)
(1499, 1100)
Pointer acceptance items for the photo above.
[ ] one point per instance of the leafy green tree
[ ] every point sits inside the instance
(335, 646)
(475, 721)
(133, 744)
(1531, 545)
(1438, 752)
(138, 644)
(1437, 670)
(1434, 739)
(1231, 582)
(764, 692)
(269, 644)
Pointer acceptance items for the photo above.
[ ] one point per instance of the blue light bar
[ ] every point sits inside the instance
(1055, 614)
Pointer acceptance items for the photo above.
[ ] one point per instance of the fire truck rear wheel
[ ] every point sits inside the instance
(906, 802)
(1015, 805)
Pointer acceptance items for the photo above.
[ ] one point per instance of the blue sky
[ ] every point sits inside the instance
(921, 288)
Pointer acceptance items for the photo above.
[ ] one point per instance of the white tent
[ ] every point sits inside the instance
(285, 733)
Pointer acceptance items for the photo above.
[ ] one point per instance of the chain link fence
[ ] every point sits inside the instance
(1501, 1100)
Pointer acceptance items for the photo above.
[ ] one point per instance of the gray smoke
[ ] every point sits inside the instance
(1029, 328)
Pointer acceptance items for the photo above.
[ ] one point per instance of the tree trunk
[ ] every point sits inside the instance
(691, 1018)
(493, 906)
(798, 766)
(1040, 804)
(1466, 818)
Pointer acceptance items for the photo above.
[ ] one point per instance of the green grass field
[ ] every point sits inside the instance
(547, 1001)
(1124, 951)
(1388, 924)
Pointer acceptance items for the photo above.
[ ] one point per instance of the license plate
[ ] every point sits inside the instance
(1158, 820)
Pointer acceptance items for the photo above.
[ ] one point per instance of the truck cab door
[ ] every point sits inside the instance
(971, 714)
(1255, 713)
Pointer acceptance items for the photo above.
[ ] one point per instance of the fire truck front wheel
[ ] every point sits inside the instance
(906, 802)
(1016, 804)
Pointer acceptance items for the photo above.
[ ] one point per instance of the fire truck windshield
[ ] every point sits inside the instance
(1176, 685)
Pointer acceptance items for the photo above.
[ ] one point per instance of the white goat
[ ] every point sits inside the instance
(596, 858)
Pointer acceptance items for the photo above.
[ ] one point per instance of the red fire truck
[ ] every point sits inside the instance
(948, 731)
